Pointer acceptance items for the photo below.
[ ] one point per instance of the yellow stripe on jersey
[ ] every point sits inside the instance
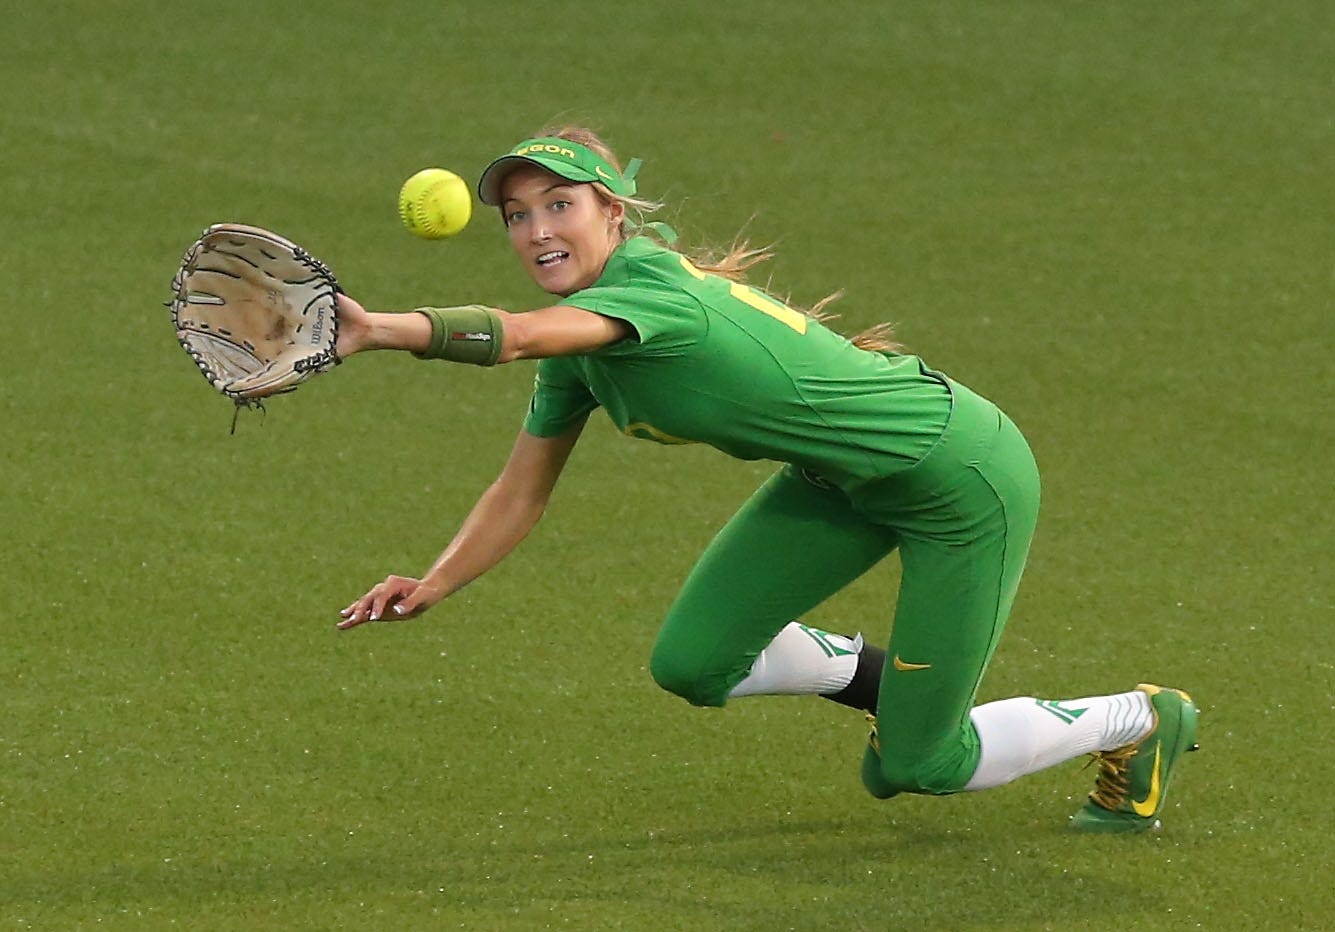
(642, 431)
(757, 299)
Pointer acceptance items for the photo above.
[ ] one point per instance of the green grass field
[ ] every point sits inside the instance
(1114, 219)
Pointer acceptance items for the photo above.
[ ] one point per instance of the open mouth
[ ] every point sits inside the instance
(549, 259)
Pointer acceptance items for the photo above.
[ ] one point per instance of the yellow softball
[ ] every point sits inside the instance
(435, 203)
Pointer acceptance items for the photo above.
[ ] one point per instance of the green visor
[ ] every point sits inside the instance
(561, 157)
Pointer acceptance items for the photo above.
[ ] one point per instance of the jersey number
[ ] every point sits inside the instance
(756, 299)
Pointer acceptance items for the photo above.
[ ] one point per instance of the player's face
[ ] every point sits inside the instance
(563, 232)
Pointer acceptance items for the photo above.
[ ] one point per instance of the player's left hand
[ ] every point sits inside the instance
(395, 599)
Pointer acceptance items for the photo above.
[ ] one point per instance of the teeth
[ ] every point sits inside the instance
(547, 257)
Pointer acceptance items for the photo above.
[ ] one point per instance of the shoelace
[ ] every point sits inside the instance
(1113, 782)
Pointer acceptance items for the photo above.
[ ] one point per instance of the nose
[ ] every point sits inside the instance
(538, 232)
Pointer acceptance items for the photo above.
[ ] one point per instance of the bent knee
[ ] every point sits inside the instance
(682, 676)
(938, 774)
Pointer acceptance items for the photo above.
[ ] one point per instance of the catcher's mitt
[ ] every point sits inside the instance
(255, 311)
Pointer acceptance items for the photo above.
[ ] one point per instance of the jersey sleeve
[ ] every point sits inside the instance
(560, 398)
(636, 306)
(635, 288)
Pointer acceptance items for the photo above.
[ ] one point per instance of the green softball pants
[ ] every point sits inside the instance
(962, 519)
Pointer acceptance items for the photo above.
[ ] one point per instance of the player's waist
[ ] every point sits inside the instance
(971, 425)
(970, 432)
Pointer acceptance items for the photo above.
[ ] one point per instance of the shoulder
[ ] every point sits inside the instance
(649, 287)
(639, 262)
(646, 273)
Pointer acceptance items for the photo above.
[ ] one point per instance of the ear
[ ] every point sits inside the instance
(615, 211)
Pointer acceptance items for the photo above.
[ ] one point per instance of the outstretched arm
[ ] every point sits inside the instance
(502, 517)
(560, 330)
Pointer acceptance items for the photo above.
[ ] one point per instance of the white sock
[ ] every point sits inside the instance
(1025, 735)
(802, 661)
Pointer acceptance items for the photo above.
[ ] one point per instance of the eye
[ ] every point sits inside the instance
(514, 216)
(559, 206)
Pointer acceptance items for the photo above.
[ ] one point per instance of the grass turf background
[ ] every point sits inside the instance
(1114, 219)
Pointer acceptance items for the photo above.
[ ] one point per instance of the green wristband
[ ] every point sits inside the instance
(471, 333)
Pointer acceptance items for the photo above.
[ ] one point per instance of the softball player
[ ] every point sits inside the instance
(880, 454)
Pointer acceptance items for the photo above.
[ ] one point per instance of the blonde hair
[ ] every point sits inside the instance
(732, 263)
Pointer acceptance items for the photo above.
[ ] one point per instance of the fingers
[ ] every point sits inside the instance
(422, 597)
(394, 599)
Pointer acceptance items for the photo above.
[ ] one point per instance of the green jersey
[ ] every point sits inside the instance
(717, 362)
